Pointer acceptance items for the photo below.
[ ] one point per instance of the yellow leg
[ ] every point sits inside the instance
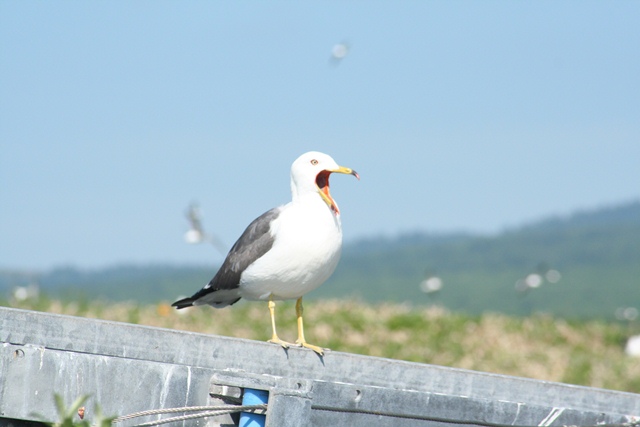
(301, 341)
(274, 336)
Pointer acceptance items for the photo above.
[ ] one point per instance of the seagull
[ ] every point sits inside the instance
(286, 252)
(196, 233)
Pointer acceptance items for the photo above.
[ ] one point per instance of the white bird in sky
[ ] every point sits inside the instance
(286, 252)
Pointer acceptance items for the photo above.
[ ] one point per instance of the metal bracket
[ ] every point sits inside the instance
(289, 398)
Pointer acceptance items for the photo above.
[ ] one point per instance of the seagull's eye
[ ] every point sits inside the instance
(314, 162)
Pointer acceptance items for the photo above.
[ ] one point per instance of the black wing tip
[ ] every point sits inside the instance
(183, 303)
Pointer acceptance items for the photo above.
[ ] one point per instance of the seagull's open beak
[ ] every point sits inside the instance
(322, 181)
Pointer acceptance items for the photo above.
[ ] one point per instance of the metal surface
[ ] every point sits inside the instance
(129, 368)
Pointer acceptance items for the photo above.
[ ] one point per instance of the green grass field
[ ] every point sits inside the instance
(541, 347)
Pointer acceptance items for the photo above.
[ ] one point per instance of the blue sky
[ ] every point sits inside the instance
(477, 116)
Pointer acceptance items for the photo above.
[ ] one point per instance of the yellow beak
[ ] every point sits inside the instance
(322, 181)
(347, 171)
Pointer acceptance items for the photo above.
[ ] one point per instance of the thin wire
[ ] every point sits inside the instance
(195, 416)
(398, 415)
(210, 411)
(170, 410)
(229, 409)
(448, 420)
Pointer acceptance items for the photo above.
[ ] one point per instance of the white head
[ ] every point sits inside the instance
(310, 175)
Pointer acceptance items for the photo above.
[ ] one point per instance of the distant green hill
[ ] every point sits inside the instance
(144, 283)
(597, 254)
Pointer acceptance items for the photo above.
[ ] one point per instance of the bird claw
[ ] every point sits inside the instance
(286, 345)
(278, 341)
(315, 348)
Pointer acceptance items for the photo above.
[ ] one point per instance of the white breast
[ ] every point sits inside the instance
(306, 251)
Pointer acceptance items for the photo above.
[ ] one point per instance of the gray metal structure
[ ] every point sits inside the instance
(129, 368)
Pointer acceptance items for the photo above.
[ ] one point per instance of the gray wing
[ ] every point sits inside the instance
(252, 244)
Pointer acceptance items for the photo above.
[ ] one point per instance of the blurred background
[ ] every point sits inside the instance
(496, 225)
(498, 145)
